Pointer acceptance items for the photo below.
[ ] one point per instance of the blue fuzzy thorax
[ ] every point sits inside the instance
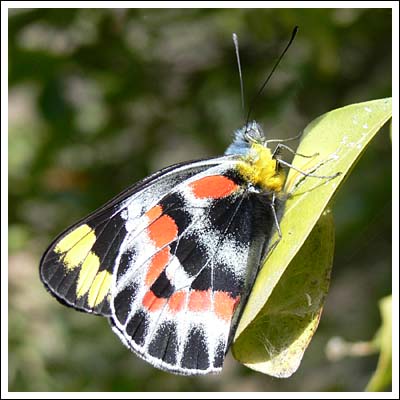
(244, 138)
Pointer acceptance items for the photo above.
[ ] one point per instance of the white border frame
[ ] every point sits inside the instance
(5, 5)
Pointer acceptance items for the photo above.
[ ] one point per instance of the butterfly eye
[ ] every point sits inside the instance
(247, 137)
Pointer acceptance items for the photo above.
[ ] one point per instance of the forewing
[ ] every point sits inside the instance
(78, 266)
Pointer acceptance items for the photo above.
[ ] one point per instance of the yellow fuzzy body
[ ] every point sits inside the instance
(261, 169)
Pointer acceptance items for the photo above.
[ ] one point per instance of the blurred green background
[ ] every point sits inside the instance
(100, 98)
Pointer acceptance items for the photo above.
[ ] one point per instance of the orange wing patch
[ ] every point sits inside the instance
(157, 265)
(225, 305)
(163, 231)
(177, 301)
(200, 300)
(152, 302)
(213, 187)
(154, 213)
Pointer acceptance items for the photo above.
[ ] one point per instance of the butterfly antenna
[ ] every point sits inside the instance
(236, 44)
(296, 28)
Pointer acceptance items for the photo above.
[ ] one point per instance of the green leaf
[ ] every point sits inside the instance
(275, 343)
(382, 377)
(339, 137)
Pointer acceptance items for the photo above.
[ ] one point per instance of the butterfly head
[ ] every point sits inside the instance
(245, 137)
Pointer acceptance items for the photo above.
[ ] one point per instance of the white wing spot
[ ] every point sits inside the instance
(177, 275)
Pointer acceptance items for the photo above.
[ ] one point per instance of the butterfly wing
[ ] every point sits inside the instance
(77, 267)
(185, 270)
(170, 261)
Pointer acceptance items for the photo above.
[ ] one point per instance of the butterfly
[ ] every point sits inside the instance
(171, 261)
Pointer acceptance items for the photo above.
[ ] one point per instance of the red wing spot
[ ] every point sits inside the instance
(154, 213)
(200, 300)
(152, 302)
(162, 231)
(177, 301)
(213, 187)
(157, 265)
(225, 305)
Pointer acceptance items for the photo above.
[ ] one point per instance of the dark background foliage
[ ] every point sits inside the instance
(100, 98)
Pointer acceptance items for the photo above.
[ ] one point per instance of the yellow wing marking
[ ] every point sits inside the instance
(76, 246)
(99, 289)
(87, 274)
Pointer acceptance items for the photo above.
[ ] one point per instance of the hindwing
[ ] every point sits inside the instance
(184, 273)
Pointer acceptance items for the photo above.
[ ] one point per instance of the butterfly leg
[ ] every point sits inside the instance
(281, 146)
(276, 222)
(269, 248)
(305, 175)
